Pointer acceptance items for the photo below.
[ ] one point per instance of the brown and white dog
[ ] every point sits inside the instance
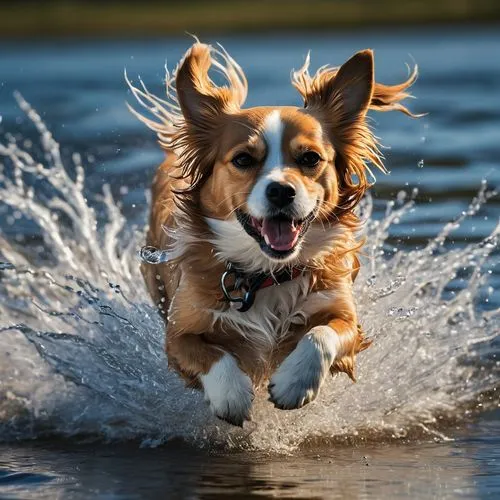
(253, 216)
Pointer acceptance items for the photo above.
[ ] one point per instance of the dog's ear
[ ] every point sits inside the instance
(315, 89)
(344, 95)
(204, 106)
(340, 98)
(196, 93)
(199, 98)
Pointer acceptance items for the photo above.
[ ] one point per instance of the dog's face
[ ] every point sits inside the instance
(273, 176)
(271, 179)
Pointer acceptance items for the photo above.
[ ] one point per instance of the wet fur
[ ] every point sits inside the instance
(195, 194)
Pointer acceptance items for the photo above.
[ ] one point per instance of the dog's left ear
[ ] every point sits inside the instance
(343, 96)
(353, 82)
(340, 98)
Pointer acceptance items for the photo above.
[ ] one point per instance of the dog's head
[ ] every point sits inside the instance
(274, 182)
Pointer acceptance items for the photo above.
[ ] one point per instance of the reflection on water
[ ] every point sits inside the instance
(419, 470)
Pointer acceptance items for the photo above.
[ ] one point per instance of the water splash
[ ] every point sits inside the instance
(81, 346)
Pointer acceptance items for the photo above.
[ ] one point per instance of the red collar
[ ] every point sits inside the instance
(273, 280)
(235, 280)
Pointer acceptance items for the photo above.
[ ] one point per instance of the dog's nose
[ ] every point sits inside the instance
(280, 195)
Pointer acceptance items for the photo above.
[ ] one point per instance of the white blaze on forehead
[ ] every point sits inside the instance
(272, 132)
(273, 135)
(274, 171)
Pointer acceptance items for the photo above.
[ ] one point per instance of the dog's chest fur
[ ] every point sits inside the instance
(276, 309)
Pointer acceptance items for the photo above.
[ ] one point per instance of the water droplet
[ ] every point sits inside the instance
(401, 196)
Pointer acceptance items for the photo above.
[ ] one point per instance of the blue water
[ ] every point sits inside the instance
(79, 91)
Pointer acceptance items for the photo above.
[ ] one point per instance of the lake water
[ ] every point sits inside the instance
(87, 407)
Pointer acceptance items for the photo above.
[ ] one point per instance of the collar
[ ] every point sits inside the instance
(233, 279)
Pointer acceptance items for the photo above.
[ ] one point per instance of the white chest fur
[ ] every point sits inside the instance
(275, 309)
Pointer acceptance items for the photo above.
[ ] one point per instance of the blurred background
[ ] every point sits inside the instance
(126, 18)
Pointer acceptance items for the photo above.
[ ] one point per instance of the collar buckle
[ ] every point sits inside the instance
(241, 282)
(251, 284)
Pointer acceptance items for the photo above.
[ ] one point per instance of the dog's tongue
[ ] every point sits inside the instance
(280, 234)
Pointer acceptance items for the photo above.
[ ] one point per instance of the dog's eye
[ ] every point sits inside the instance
(243, 160)
(308, 159)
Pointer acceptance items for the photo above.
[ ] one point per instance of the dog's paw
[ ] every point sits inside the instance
(298, 379)
(228, 390)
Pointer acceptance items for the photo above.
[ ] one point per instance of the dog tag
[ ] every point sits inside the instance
(153, 255)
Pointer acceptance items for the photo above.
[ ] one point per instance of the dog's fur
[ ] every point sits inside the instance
(296, 332)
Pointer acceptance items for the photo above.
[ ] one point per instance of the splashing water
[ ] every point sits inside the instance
(81, 347)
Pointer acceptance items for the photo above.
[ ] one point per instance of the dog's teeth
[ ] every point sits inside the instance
(266, 239)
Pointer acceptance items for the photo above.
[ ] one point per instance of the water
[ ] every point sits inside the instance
(425, 470)
(81, 358)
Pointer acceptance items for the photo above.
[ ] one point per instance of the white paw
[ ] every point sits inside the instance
(228, 390)
(298, 379)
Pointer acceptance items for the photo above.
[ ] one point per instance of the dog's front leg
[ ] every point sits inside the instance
(298, 379)
(227, 388)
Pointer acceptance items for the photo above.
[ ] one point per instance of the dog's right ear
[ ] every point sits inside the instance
(204, 106)
(201, 101)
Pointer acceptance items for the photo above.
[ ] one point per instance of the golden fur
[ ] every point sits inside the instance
(202, 127)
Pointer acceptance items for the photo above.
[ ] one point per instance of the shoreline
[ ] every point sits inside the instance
(80, 19)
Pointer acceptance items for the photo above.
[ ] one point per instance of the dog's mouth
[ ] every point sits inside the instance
(277, 236)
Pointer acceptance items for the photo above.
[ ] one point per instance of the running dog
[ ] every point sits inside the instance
(252, 245)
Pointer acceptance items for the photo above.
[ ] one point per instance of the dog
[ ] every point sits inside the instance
(252, 246)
